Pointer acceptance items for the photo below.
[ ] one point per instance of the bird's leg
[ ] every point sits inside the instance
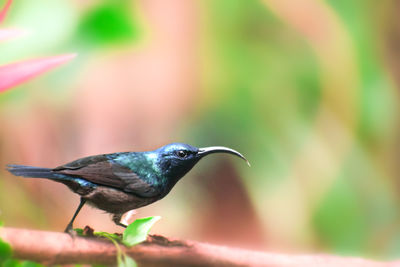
(117, 220)
(69, 226)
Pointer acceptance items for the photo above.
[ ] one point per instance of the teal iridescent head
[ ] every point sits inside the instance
(176, 159)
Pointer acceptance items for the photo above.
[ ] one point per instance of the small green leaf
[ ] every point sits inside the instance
(79, 231)
(137, 231)
(1, 223)
(126, 262)
(5, 251)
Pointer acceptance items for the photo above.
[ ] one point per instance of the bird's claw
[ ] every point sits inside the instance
(71, 232)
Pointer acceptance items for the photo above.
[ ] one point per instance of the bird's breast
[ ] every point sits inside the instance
(116, 201)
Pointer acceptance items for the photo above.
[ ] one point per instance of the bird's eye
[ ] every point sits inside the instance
(182, 154)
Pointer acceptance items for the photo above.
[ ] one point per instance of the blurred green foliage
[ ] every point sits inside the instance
(6, 259)
(254, 88)
(376, 103)
(107, 23)
(5, 251)
(340, 219)
(16, 263)
(266, 86)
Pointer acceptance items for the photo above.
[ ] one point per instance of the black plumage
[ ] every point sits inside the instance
(120, 182)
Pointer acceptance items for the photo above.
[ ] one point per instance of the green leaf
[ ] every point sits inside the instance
(126, 262)
(79, 231)
(137, 231)
(5, 251)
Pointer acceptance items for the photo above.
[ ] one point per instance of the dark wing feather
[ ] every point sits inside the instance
(82, 162)
(99, 170)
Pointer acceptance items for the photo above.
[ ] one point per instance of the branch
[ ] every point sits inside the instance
(60, 248)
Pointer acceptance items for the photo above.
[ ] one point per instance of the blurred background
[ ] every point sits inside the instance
(307, 90)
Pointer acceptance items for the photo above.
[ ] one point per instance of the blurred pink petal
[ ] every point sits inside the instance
(16, 73)
(3, 12)
(10, 33)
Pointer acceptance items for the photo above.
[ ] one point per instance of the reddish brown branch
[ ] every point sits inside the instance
(60, 248)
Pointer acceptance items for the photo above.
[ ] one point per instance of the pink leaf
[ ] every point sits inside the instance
(10, 33)
(3, 12)
(16, 73)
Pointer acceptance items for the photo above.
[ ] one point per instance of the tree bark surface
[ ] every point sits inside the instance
(60, 248)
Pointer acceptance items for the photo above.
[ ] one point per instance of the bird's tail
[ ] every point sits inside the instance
(34, 172)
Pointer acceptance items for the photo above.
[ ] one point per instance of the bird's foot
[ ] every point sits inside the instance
(87, 231)
(69, 230)
(121, 224)
(117, 220)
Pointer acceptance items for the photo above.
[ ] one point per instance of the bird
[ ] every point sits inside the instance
(120, 182)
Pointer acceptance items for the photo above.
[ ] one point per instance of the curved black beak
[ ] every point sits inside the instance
(220, 149)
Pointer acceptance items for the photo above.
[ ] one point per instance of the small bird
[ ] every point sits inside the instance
(119, 182)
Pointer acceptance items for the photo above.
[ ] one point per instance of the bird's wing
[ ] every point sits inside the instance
(82, 162)
(99, 170)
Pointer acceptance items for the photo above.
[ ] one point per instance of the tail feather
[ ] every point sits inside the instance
(33, 172)
(76, 184)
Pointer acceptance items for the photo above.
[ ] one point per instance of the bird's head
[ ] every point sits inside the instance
(176, 159)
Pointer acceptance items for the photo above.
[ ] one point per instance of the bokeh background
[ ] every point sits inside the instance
(306, 89)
